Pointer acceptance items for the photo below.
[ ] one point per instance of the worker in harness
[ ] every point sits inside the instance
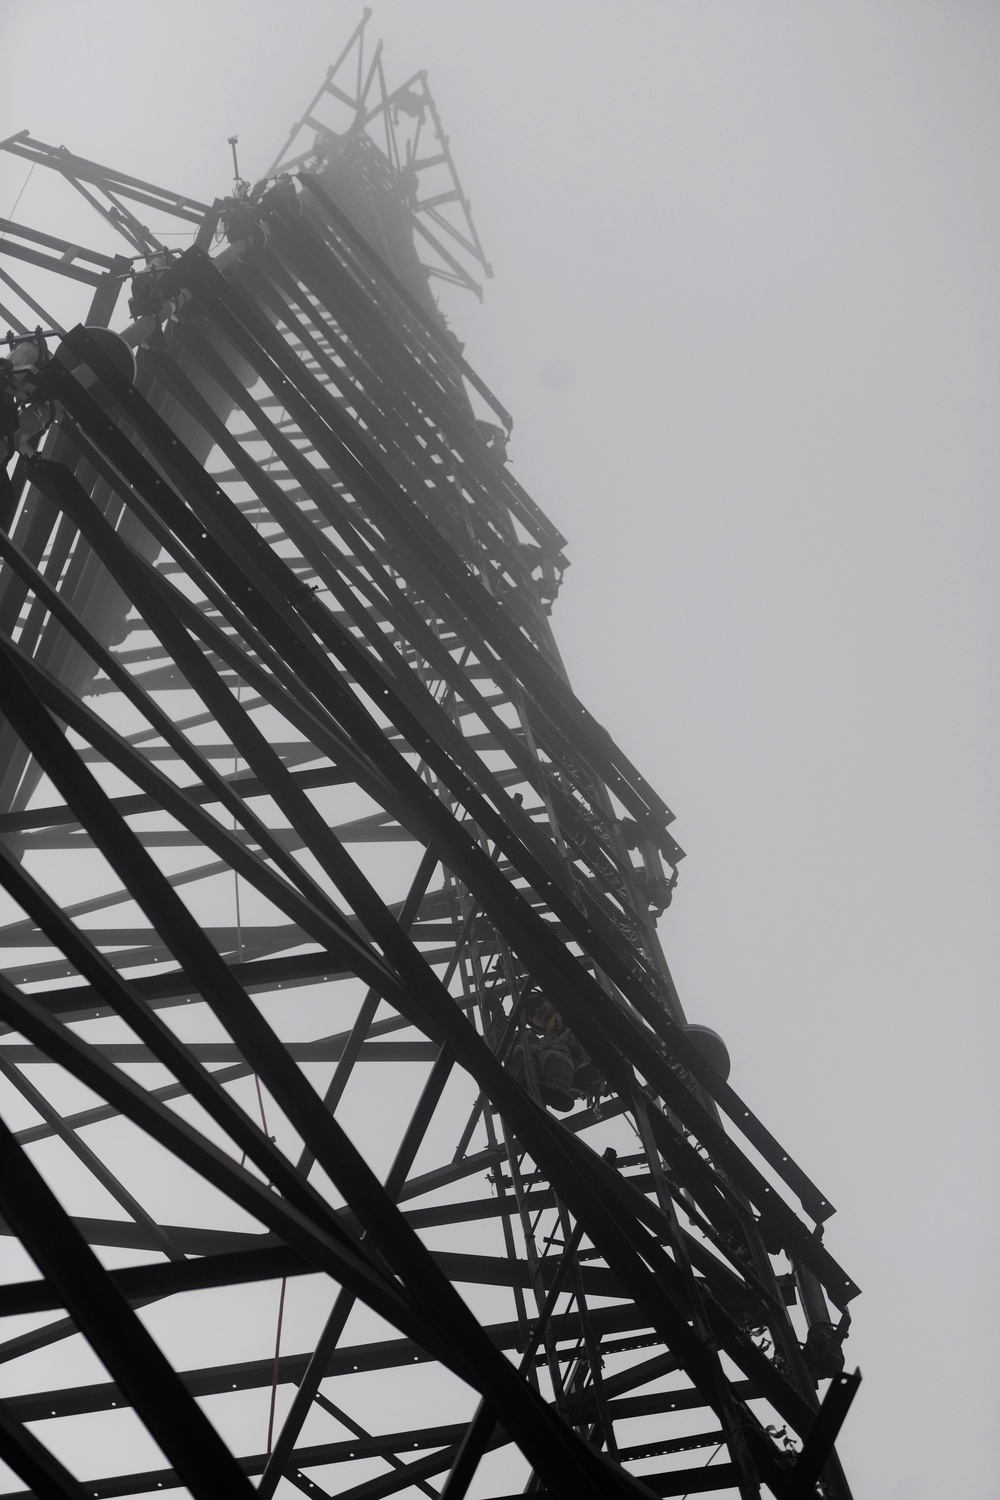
(558, 1061)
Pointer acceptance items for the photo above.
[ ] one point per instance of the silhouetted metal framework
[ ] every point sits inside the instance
(299, 818)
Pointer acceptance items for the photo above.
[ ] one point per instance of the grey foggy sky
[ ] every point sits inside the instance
(746, 318)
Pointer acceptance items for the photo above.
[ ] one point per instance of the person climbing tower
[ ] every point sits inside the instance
(558, 1061)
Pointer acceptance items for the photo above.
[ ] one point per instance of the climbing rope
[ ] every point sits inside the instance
(276, 1362)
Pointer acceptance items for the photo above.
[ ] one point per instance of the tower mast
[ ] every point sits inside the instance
(350, 1114)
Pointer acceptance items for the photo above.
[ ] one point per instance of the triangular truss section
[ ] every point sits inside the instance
(395, 133)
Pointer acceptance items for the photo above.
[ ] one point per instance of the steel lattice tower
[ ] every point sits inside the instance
(301, 822)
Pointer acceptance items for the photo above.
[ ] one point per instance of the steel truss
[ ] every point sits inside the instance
(270, 605)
